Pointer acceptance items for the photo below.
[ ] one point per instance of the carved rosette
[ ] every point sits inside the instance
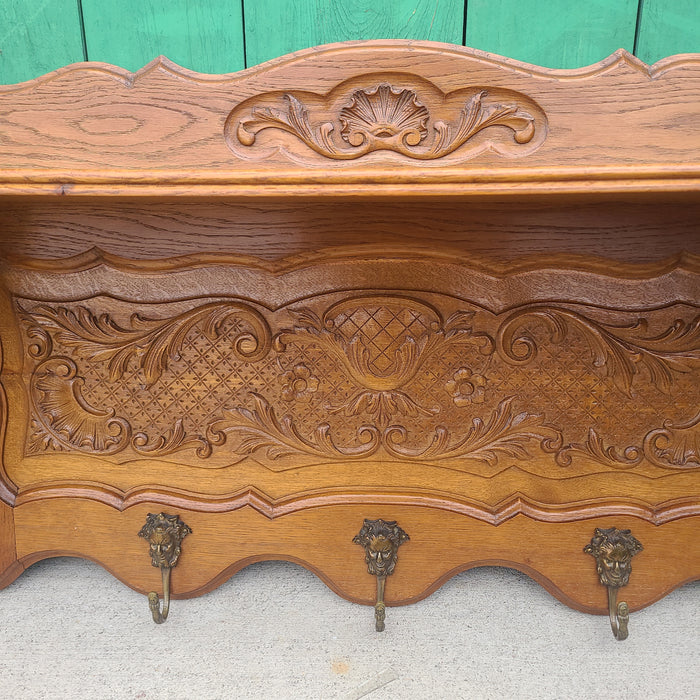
(418, 122)
(376, 375)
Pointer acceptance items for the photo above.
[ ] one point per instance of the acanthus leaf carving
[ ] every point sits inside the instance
(383, 405)
(594, 448)
(174, 440)
(378, 344)
(622, 350)
(674, 445)
(154, 342)
(64, 420)
(502, 434)
(386, 118)
(260, 429)
(379, 389)
(69, 420)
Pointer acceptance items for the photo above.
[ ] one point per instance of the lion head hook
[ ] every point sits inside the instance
(381, 540)
(613, 550)
(164, 534)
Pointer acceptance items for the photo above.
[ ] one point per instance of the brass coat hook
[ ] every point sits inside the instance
(381, 540)
(164, 534)
(619, 615)
(613, 550)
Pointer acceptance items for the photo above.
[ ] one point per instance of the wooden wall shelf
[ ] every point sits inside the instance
(386, 280)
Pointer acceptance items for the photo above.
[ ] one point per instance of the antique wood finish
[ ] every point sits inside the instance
(450, 290)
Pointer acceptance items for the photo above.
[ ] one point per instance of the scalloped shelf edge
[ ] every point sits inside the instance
(619, 57)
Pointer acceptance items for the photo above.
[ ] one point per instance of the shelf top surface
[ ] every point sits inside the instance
(377, 118)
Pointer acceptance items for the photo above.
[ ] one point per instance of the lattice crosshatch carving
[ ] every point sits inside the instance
(353, 377)
(392, 282)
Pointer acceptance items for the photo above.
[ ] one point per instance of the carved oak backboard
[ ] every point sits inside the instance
(390, 282)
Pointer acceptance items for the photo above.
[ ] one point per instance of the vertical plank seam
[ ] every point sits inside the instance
(83, 38)
(245, 50)
(464, 24)
(638, 26)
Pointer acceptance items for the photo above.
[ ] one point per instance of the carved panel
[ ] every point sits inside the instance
(432, 380)
(397, 113)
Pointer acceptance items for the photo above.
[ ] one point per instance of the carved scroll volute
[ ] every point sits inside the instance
(403, 114)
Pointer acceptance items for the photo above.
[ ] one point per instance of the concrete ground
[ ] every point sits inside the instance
(70, 630)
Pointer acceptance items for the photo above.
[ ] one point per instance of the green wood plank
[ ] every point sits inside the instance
(206, 36)
(668, 27)
(275, 27)
(552, 33)
(38, 37)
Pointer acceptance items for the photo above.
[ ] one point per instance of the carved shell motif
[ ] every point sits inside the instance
(371, 374)
(388, 118)
(384, 113)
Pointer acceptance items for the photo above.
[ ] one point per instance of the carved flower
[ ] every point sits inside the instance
(298, 384)
(465, 387)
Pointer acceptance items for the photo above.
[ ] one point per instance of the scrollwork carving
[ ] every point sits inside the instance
(594, 448)
(381, 372)
(261, 429)
(65, 419)
(623, 351)
(674, 445)
(369, 375)
(384, 117)
(503, 433)
(152, 341)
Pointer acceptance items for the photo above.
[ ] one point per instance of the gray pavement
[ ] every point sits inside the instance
(70, 630)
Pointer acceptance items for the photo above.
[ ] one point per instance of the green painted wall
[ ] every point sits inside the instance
(217, 36)
(552, 33)
(38, 37)
(667, 27)
(274, 28)
(205, 35)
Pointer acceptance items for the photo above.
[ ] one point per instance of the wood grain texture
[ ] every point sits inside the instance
(559, 34)
(44, 36)
(668, 27)
(10, 568)
(7, 488)
(275, 28)
(149, 148)
(554, 388)
(38, 37)
(287, 231)
(250, 307)
(205, 36)
(321, 540)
